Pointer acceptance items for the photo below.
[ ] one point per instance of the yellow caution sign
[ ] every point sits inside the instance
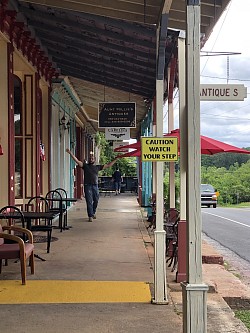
(159, 149)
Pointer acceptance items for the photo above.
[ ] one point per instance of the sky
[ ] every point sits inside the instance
(227, 121)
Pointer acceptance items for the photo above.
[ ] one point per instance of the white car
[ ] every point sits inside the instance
(208, 195)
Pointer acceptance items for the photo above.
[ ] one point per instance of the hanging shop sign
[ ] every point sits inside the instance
(120, 114)
(120, 144)
(159, 149)
(116, 133)
(223, 92)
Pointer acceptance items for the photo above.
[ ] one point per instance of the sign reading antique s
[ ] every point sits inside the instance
(223, 92)
(159, 149)
(119, 114)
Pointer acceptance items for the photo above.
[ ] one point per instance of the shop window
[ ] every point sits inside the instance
(18, 168)
(18, 137)
(18, 105)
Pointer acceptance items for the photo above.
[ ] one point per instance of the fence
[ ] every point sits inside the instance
(129, 184)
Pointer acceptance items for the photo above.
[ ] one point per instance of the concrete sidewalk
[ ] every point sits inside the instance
(116, 248)
(225, 289)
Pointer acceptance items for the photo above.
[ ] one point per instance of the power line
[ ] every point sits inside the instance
(224, 117)
(238, 108)
(224, 78)
(218, 34)
(203, 113)
(175, 96)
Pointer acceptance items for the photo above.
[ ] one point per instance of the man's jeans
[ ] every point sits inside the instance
(117, 186)
(91, 197)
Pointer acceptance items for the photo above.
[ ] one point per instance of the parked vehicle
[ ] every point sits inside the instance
(208, 195)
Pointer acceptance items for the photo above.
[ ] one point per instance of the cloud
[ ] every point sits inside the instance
(226, 121)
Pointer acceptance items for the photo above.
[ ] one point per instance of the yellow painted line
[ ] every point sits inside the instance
(57, 291)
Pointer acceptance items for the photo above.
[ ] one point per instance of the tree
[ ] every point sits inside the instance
(224, 159)
(126, 165)
(232, 183)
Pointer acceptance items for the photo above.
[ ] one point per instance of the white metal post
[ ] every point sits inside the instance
(171, 164)
(183, 129)
(182, 253)
(154, 166)
(194, 291)
(160, 285)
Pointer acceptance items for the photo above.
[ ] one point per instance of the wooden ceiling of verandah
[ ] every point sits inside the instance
(107, 49)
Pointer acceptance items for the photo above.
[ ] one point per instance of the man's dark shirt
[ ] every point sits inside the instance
(91, 173)
(117, 176)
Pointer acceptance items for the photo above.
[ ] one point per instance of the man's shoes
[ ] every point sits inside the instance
(94, 217)
(90, 219)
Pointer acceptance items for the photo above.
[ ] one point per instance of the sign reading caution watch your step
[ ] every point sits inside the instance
(159, 149)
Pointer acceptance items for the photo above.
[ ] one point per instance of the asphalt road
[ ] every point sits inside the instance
(230, 227)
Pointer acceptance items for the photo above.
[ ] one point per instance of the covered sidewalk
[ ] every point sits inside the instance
(97, 277)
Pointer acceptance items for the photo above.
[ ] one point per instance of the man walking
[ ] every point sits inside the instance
(90, 171)
(117, 177)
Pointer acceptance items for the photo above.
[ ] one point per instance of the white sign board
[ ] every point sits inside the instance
(116, 133)
(120, 144)
(223, 92)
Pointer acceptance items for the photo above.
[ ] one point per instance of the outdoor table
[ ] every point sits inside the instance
(65, 200)
(29, 216)
(68, 200)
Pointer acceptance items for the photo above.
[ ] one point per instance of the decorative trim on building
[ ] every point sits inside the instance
(21, 37)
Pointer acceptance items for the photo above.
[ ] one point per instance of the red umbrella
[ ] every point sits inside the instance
(136, 145)
(135, 153)
(209, 146)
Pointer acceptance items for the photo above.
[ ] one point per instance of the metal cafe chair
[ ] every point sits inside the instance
(172, 218)
(64, 206)
(13, 216)
(56, 205)
(40, 204)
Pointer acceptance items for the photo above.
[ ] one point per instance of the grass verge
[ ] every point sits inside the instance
(244, 316)
(240, 205)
